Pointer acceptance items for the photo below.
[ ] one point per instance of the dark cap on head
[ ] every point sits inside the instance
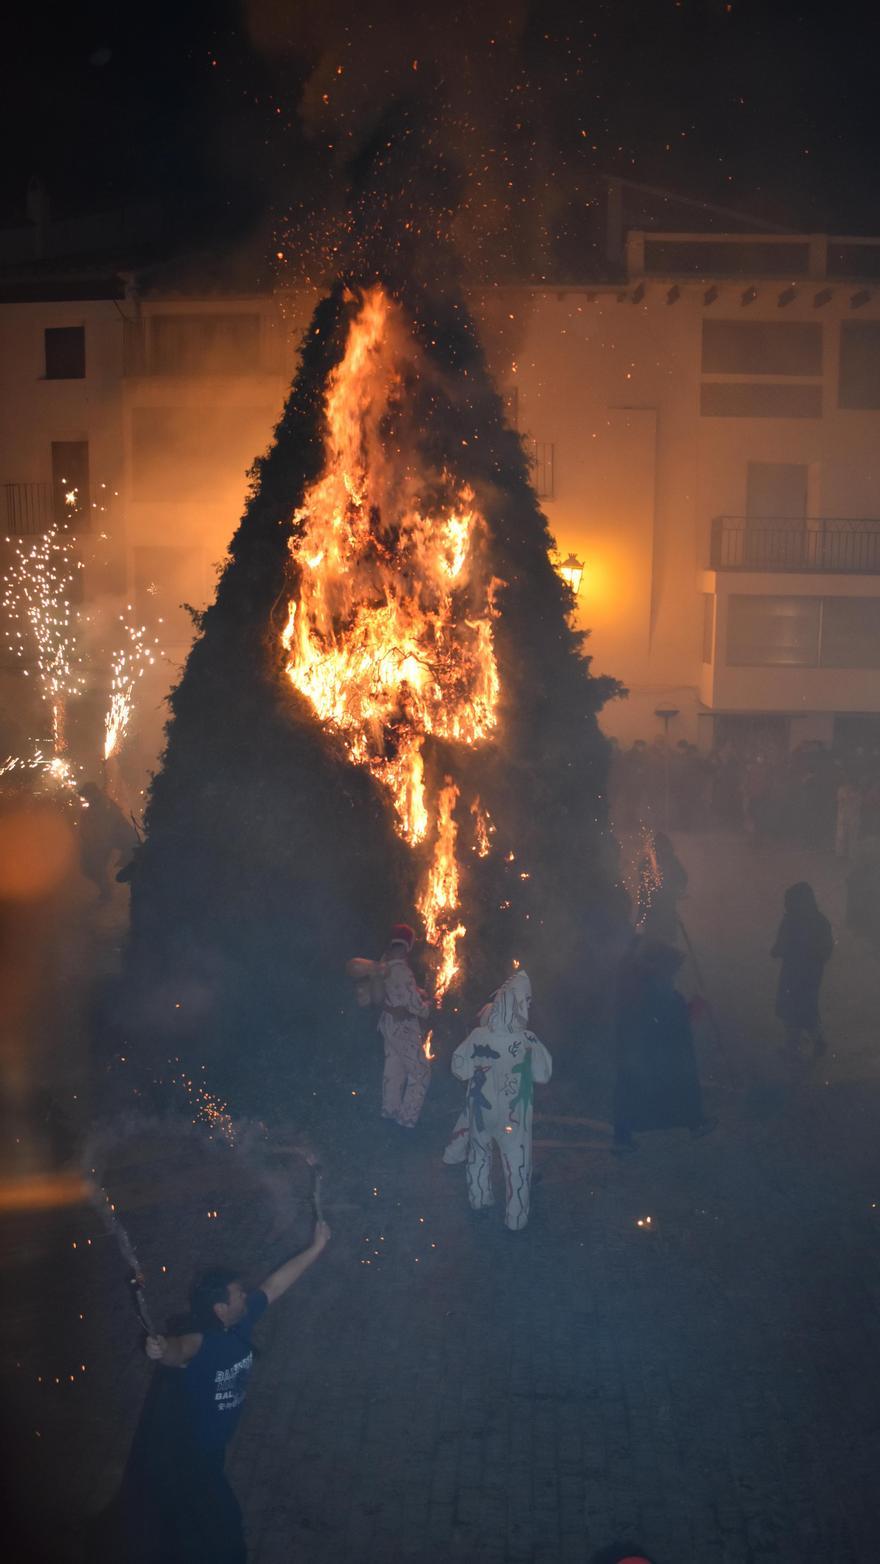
(211, 1287)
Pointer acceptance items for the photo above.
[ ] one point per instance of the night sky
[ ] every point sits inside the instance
(216, 109)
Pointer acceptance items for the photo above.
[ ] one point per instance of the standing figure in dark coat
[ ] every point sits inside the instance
(657, 1085)
(803, 945)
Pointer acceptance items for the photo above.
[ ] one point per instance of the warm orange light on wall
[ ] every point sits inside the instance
(572, 572)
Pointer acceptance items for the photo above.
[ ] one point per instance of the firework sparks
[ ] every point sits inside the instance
(129, 664)
(53, 770)
(36, 599)
(206, 1108)
(650, 877)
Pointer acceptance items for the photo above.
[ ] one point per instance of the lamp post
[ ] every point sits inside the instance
(666, 713)
(572, 573)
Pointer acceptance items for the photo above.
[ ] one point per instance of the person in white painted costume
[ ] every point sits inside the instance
(407, 1074)
(502, 1062)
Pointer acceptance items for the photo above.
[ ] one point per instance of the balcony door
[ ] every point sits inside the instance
(776, 514)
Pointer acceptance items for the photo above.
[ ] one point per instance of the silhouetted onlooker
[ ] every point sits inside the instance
(804, 944)
(657, 1085)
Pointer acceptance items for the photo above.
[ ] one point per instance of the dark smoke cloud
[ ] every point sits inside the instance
(427, 122)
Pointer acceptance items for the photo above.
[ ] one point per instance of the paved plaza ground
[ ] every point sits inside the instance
(682, 1348)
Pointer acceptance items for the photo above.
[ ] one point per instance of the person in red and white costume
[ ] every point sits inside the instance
(404, 1008)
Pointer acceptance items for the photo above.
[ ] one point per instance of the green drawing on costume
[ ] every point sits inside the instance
(526, 1092)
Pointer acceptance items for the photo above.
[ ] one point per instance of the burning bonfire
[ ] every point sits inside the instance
(386, 713)
(389, 633)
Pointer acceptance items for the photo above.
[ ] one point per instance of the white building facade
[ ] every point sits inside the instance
(705, 439)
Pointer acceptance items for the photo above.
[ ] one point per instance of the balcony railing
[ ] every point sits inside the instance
(26, 508)
(826, 544)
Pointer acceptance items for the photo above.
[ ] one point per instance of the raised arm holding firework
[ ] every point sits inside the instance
(176, 1503)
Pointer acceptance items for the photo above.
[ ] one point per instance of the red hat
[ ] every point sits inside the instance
(402, 934)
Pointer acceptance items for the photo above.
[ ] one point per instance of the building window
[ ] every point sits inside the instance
(850, 632)
(756, 347)
(708, 626)
(803, 632)
(65, 349)
(773, 632)
(542, 462)
(70, 483)
(742, 399)
(859, 386)
(204, 344)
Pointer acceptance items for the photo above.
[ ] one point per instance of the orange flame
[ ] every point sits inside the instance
(438, 899)
(482, 826)
(389, 635)
(427, 1050)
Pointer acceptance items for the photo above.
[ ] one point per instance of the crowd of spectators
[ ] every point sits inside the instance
(815, 795)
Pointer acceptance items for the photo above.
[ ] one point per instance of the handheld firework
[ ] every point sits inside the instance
(102, 1204)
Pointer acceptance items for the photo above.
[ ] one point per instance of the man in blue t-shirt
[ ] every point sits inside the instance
(196, 1515)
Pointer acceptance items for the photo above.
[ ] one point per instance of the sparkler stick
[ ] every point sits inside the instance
(104, 1208)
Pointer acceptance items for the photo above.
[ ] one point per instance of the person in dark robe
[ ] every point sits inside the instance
(804, 944)
(657, 1084)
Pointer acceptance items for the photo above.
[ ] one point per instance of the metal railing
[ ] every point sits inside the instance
(541, 454)
(830, 544)
(26, 508)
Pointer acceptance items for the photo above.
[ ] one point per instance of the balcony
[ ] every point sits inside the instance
(826, 545)
(26, 509)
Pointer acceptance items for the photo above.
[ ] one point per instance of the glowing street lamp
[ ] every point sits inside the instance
(572, 572)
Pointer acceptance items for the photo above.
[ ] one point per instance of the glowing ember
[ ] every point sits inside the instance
(127, 667)
(390, 632)
(427, 1050)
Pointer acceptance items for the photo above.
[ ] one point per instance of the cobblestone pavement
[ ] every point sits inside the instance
(436, 1389)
